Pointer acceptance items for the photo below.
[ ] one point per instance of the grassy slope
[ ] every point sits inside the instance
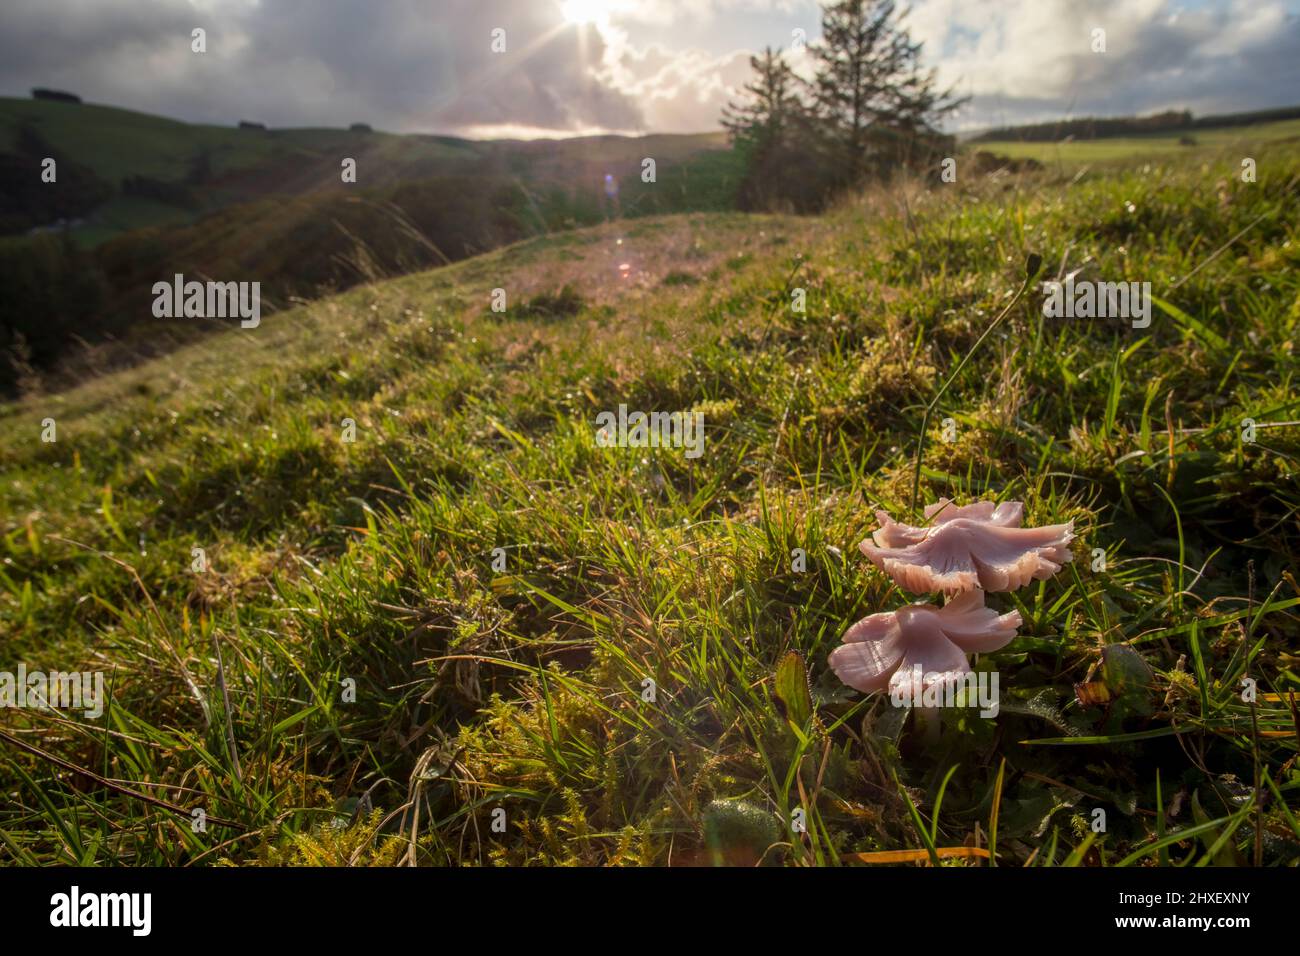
(120, 143)
(522, 689)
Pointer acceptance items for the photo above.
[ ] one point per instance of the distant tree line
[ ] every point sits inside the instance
(869, 112)
(1248, 119)
(1089, 128)
(59, 96)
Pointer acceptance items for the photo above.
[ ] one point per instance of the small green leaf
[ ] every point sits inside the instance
(1193, 326)
(1128, 677)
(792, 689)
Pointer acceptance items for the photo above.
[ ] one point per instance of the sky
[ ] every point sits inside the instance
(573, 67)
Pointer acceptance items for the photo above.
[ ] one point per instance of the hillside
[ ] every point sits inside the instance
(219, 166)
(372, 565)
(140, 198)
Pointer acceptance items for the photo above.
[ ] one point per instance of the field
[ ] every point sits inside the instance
(431, 645)
(1216, 141)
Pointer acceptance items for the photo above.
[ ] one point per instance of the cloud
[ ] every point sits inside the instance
(653, 65)
(1025, 60)
(397, 64)
(677, 91)
(1021, 60)
(667, 12)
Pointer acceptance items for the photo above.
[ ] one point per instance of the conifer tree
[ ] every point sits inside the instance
(870, 91)
(769, 129)
(758, 123)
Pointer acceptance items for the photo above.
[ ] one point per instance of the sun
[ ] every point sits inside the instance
(579, 12)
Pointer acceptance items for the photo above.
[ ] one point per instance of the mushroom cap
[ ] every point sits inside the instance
(973, 546)
(895, 534)
(882, 650)
(1009, 514)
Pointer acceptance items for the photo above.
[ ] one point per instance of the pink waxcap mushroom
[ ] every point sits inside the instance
(883, 650)
(973, 546)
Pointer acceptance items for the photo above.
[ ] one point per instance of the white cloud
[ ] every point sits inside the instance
(1033, 59)
(676, 91)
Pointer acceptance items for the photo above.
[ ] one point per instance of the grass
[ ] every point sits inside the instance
(472, 608)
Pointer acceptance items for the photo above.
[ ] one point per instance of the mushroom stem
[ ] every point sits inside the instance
(930, 722)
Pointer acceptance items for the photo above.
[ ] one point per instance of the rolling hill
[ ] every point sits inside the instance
(141, 198)
(223, 166)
